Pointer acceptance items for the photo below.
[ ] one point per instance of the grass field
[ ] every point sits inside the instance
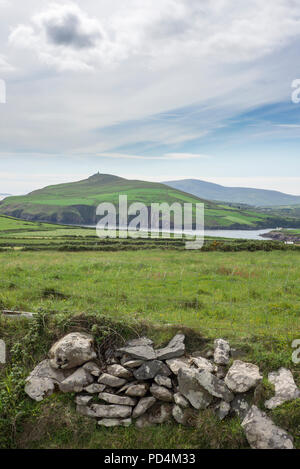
(251, 298)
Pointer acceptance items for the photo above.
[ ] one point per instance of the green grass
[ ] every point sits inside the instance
(250, 298)
(76, 203)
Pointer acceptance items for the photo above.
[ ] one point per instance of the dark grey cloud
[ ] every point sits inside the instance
(67, 31)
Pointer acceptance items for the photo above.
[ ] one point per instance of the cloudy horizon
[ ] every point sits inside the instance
(180, 90)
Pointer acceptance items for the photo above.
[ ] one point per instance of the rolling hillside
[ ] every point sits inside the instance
(239, 195)
(75, 203)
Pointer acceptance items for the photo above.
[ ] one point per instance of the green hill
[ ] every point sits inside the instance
(76, 202)
(239, 195)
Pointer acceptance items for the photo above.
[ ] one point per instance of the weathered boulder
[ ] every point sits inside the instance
(120, 400)
(42, 380)
(222, 410)
(222, 352)
(163, 381)
(77, 381)
(203, 364)
(242, 376)
(180, 400)
(83, 400)
(285, 388)
(137, 390)
(214, 386)
(191, 389)
(262, 433)
(111, 411)
(139, 352)
(119, 371)
(161, 393)
(114, 422)
(72, 350)
(174, 349)
(175, 364)
(112, 381)
(144, 404)
(150, 369)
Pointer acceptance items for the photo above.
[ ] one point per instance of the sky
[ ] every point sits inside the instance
(155, 90)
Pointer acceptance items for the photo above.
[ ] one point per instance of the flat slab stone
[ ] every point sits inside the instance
(119, 371)
(191, 389)
(144, 404)
(285, 388)
(94, 388)
(174, 349)
(242, 376)
(150, 369)
(111, 411)
(222, 352)
(120, 400)
(262, 433)
(112, 381)
(133, 363)
(139, 352)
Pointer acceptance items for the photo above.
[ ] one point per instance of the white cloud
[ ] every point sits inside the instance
(166, 156)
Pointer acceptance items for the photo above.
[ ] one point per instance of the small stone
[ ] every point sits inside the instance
(180, 400)
(120, 400)
(161, 393)
(163, 381)
(285, 388)
(222, 352)
(126, 386)
(174, 349)
(242, 376)
(203, 364)
(112, 381)
(190, 388)
(111, 411)
(186, 417)
(140, 352)
(262, 433)
(92, 368)
(175, 364)
(220, 372)
(115, 422)
(178, 414)
(71, 351)
(119, 371)
(144, 404)
(222, 410)
(77, 381)
(94, 388)
(137, 390)
(83, 400)
(134, 363)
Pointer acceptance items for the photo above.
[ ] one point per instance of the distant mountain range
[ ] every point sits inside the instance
(236, 195)
(76, 202)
